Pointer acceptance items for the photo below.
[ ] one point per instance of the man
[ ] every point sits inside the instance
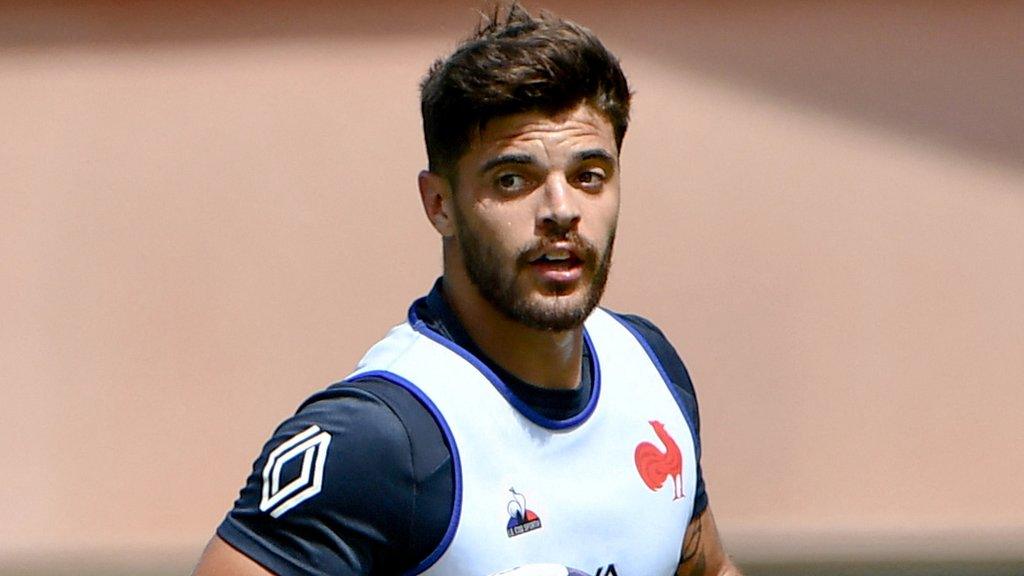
(508, 421)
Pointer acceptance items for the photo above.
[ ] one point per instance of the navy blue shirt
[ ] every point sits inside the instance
(387, 479)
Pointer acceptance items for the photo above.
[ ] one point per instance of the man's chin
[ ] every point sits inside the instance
(553, 312)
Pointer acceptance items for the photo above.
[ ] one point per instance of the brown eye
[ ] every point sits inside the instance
(590, 179)
(510, 182)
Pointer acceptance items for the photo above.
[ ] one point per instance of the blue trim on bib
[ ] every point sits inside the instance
(453, 524)
(520, 406)
(661, 370)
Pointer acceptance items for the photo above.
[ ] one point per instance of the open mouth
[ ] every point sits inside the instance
(558, 266)
(558, 259)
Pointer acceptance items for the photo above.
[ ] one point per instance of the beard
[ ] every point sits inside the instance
(498, 282)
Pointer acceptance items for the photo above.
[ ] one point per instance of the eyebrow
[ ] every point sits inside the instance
(594, 154)
(525, 159)
(507, 159)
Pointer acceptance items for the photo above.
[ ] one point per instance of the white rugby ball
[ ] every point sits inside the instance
(541, 570)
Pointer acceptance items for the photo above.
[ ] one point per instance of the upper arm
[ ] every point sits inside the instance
(702, 553)
(220, 559)
(339, 488)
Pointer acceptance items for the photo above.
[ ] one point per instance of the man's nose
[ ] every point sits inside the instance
(559, 211)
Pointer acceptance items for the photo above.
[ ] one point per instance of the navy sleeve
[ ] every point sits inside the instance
(685, 395)
(356, 482)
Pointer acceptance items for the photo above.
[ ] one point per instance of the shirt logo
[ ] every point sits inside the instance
(521, 520)
(299, 463)
(655, 466)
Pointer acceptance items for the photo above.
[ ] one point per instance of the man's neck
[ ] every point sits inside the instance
(540, 357)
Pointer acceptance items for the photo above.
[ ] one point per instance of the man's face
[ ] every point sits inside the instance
(536, 203)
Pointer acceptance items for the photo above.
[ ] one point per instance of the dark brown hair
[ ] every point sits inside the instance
(513, 64)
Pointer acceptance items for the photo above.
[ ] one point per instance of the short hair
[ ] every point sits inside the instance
(514, 64)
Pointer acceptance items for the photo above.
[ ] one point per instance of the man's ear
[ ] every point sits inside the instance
(437, 198)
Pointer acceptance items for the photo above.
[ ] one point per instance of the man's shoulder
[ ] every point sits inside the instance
(675, 372)
(377, 410)
(362, 431)
(649, 332)
(659, 347)
(349, 462)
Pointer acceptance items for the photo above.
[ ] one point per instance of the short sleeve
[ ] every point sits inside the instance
(337, 488)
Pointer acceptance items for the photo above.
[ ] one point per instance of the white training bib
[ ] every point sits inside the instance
(609, 491)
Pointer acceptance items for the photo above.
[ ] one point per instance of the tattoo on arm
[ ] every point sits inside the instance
(702, 553)
(693, 560)
(693, 544)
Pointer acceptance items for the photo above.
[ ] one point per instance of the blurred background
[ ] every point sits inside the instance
(208, 211)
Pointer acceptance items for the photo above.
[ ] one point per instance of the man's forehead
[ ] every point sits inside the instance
(582, 123)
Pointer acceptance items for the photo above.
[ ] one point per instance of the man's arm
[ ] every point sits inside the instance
(220, 559)
(702, 553)
(377, 450)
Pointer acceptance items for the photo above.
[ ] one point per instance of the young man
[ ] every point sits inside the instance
(509, 421)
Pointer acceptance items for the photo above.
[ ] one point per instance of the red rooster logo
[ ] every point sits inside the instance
(655, 466)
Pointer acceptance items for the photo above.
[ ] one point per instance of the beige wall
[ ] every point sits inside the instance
(208, 212)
